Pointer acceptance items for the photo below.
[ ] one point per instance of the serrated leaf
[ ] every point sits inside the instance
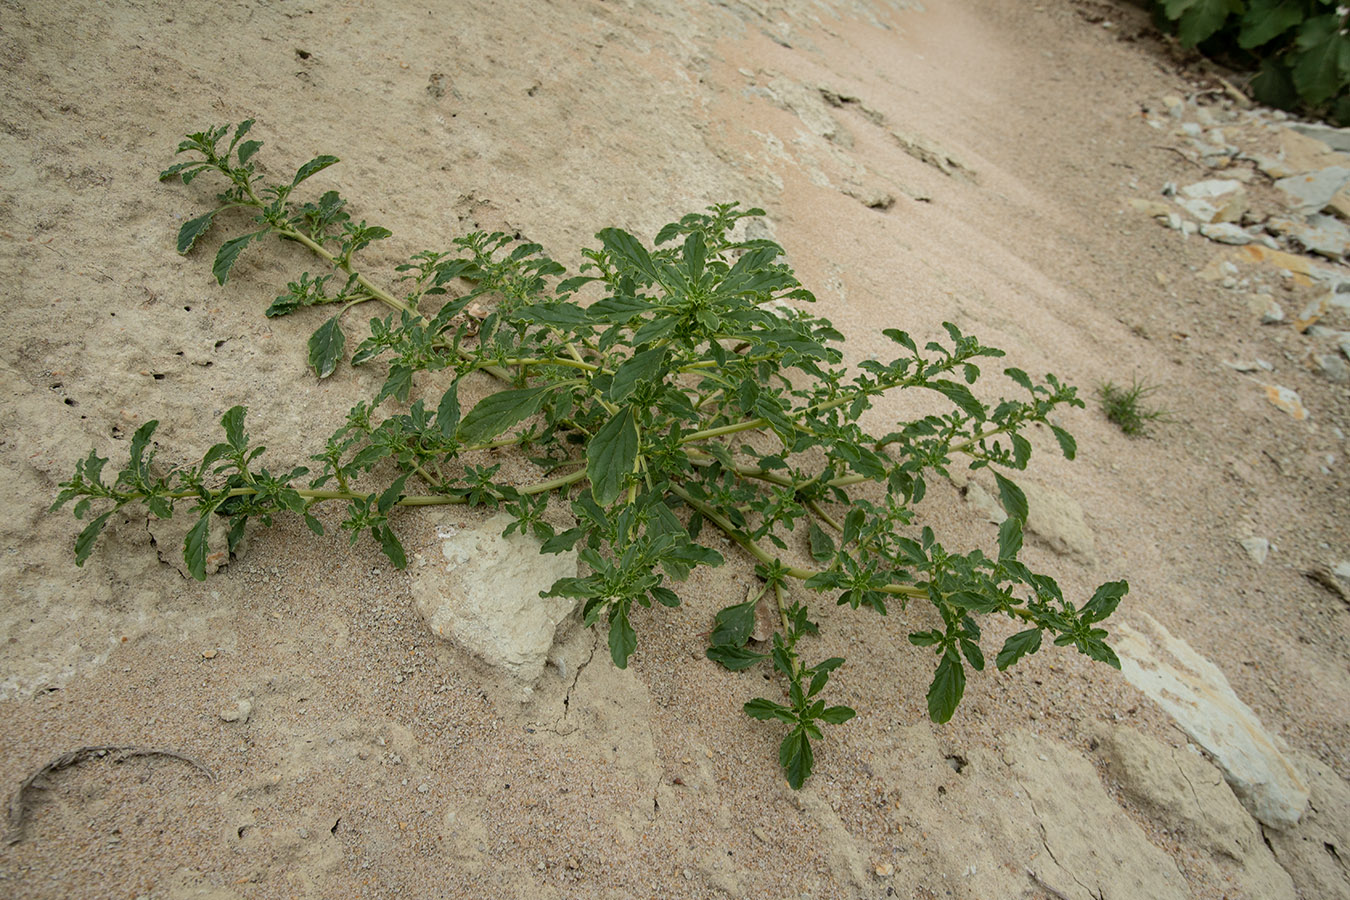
(392, 494)
(497, 412)
(973, 655)
(1012, 499)
(853, 524)
(1019, 376)
(610, 457)
(972, 602)
(314, 166)
(193, 229)
(1009, 538)
(796, 758)
(195, 545)
(1266, 20)
(734, 625)
(822, 545)
(233, 423)
(1323, 54)
(326, 346)
(734, 658)
(1067, 445)
(910, 551)
(1017, 646)
(1201, 19)
(88, 537)
(640, 367)
(625, 248)
(228, 253)
(837, 715)
(622, 637)
(764, 710)
(392, 547)
(447, 412)
(960, 395)
(617, 309)
(1104, 601)
(665, 596)
(944, 694)
(247, 149)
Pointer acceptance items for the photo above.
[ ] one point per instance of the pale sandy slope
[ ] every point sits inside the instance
(378, 761)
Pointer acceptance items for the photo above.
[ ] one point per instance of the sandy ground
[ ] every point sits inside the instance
(379, 761)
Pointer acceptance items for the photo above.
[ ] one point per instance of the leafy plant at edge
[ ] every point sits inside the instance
(1302, 47)
(688, 395)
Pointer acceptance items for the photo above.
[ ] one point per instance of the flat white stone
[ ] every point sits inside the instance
(1195, 692)
(480, 591)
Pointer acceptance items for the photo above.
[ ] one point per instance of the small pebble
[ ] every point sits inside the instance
(238, 711)
(208, 654)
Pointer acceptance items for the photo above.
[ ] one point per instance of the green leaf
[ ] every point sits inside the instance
(617, 309)
(610, 457)
(973, 655)
(1010, 538)
(625, 248)
(1266, 20)
(233, 423)
(447, 413)
(326, 346)
(853, 524)
(228, 253)
(837, 715)
(796, 758)
(195, 545)
(1014, 502)
(665, 596)
(1198, 20)
(640, 367)
(1104, 601)
(764, 710)
(247, 149)
(972, 602)
(391, 546)
(622, 637)
(1067, 445)
(193, 229)
(392, 494)
(734, 658)
(314, 166)
(1324, 55)
(944, 694)
(733, 625)
(822, 545)
(498, 412)
(84, 543)
(1017, 646)
(960, 395)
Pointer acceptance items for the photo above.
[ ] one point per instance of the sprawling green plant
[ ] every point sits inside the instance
(1301, 47)
(687, 394)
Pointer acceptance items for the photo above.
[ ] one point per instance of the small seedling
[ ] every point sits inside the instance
(1126, 407)
(661, 392)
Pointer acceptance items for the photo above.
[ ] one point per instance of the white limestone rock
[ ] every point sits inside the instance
(1181, 791)
(480, 591)
(1196, 694)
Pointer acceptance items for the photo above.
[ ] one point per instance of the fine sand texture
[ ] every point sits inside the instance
(969, 162)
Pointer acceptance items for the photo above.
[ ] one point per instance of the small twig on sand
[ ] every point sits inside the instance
(1040, 883)
(1182, 155)
(18, 805)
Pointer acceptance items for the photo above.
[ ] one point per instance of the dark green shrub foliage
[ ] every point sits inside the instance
(1300, 47)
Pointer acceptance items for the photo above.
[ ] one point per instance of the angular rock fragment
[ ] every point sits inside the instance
(1196, 694)
(480, 591)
